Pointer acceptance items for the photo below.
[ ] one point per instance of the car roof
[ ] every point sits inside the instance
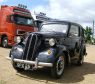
(60, 22)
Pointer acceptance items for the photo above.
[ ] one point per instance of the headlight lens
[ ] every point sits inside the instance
(52, 42)
(19, 48)
(17, 39)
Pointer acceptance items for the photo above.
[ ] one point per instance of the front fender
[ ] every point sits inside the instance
(47, 56)
(50, 58)
(64, 49)
(17, 51)
(61, 48)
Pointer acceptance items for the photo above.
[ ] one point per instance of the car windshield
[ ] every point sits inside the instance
(23, 20)
(54, 28)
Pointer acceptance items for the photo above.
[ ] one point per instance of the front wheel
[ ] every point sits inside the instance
(5, 42)
(17, 68)
(58, 67)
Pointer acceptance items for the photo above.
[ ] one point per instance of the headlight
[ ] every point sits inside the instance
(17, 39)
(52, 42)
(18, 48)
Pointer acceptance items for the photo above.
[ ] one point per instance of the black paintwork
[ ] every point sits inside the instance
(64, 42)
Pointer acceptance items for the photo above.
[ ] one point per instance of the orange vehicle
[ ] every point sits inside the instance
(14, 22)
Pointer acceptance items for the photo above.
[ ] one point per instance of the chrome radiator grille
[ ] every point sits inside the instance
(30, 47)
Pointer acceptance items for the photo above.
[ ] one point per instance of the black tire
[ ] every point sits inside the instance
(5, 42)
(76, 51)
(57, 69)
(81, 58)
(16, 68)
(10, 54)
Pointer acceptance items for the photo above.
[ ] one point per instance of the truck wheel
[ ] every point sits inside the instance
(81, 58)
(58, 67)
(5, 42)
(16, 68)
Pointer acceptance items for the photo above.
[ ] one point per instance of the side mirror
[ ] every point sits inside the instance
(10, 18)
(69, 35)
(38, 24)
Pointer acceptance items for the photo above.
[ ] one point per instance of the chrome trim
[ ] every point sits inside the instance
(22, 12)
(36, 63)
(20, 30)
(29, 47)
(34, 46)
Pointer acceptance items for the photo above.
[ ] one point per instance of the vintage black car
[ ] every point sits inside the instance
(56, 45)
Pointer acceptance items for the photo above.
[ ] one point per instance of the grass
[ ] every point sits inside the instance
(2, 82)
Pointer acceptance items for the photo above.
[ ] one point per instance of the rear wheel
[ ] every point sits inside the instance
(58, 67)
(5, 42)
(81, 58)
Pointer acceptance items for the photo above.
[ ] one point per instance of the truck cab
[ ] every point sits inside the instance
(15, 21)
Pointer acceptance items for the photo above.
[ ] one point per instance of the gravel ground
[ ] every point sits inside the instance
(73, 74)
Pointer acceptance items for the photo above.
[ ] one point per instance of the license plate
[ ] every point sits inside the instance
(25, 66)
(20, 65)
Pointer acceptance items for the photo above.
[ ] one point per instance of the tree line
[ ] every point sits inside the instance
(89, 35)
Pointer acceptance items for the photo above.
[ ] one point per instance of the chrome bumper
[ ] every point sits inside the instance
(35, 63)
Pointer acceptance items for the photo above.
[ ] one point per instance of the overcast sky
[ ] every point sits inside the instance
(80, 11)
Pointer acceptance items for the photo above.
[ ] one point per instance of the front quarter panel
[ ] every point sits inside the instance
(17, 51)
(50, 58)
(44, 56)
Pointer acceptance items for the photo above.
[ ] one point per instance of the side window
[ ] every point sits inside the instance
(74, 30)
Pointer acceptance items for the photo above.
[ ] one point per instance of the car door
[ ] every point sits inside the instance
(74, 35)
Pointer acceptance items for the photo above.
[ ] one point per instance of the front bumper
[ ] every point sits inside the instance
(36, 63)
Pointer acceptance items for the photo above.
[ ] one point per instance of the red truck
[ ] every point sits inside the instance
(14, 22)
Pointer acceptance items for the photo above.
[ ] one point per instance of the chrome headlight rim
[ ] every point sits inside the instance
(52, 42)
(17, 39)
(19, 48)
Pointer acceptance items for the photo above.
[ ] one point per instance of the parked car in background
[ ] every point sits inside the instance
(93, 41)
(56, 45)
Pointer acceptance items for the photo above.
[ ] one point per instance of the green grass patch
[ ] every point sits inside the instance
(2, 82)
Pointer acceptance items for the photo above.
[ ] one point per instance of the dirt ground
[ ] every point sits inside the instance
(73, 74)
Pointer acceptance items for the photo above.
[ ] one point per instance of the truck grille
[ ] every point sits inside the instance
(20, 32)
(30, 48)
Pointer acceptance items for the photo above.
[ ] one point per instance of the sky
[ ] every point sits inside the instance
(80, 11)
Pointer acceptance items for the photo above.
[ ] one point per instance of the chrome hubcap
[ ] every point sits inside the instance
(76, 53)
(5, 43)
(60, 65)
(82, 60)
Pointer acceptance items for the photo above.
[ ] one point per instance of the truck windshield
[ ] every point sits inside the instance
(23, 20)
(54, 28)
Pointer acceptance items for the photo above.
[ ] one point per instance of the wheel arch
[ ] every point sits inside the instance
(2, 40)
(67, 57)
(65, 51)
(76, 44)
(2, 36)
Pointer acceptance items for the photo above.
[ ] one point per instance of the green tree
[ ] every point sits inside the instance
(88, 34)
